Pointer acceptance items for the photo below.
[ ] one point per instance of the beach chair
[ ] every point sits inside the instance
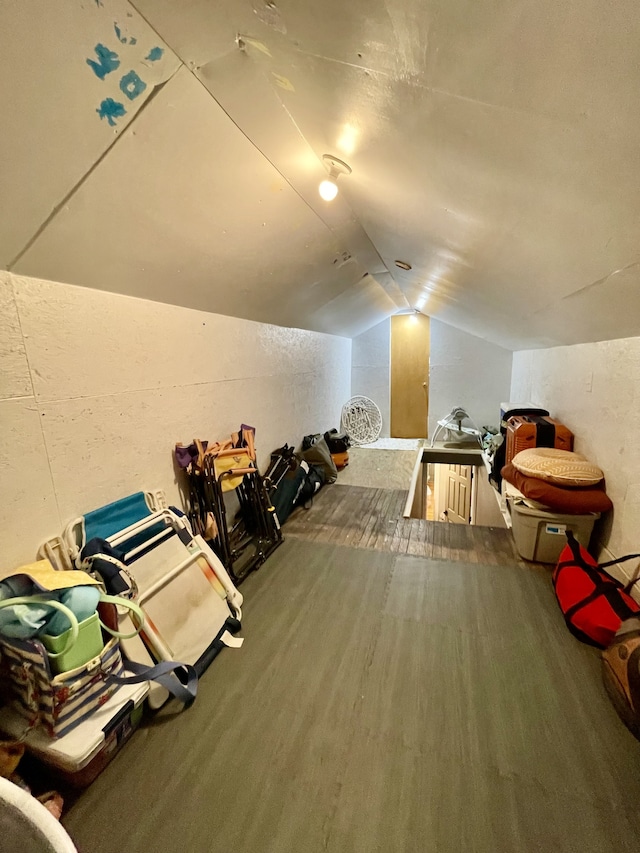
(229, 503)
(192, 608)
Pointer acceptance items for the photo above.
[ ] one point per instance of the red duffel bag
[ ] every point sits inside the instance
(594, 603)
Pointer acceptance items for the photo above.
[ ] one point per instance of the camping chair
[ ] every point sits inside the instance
(244, 536)
(63, 551)
(191, 606)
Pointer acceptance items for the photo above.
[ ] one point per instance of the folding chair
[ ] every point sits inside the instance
(191, 606)
(243, 539)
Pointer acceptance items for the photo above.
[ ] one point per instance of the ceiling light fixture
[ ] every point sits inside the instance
(328, 188)
(403, 265)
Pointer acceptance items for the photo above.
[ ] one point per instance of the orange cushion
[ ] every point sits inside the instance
(573, 501)
(341, 460)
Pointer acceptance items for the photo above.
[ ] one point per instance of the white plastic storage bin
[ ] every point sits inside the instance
(540, 535)
(79, 756)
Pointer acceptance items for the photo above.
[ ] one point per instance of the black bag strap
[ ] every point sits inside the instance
(612, 595)
(592, 571)
(577, 559)
(633, 581)
(608, 563)
(580, 561)
(619, 560)
(165, 673)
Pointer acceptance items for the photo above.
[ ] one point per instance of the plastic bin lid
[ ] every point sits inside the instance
(524, 509)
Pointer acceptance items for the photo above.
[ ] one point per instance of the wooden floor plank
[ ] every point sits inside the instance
(382, 520)
(372, 519)
(417, 537)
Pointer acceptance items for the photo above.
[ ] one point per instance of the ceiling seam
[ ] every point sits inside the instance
(248, 138)
(574, 293)
(603, 280)
(419, 84)
(58, 207)
(231, 119)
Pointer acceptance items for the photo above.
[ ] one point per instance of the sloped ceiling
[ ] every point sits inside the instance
(173, 151)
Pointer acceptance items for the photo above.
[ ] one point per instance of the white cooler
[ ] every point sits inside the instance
(540, 535)
(79, 756)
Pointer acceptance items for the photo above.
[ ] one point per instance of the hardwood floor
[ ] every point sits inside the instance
(372, 518)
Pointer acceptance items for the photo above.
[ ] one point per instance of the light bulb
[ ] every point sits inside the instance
(328, 190)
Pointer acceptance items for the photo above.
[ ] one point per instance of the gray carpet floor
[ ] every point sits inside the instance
(380, 703)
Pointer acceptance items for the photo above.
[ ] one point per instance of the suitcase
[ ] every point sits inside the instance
(507, 411)
(525, 431)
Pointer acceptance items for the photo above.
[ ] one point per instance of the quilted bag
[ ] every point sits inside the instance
(60, 702)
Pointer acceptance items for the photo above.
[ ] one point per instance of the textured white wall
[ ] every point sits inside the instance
(594, 389)
(466, 371)
(370, 360)
(96, 389)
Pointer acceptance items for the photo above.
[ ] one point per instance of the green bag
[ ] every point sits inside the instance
(315, 451)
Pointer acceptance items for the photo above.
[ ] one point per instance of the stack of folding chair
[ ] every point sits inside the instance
(229, 504)
(186, 610)
(192, 608)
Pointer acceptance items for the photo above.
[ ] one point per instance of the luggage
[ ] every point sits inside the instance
(315, 451)
(287, 493)
(594, 604)
(526, 431)
(507, 411)
(621, 673)
(313, 482)
(337, 442)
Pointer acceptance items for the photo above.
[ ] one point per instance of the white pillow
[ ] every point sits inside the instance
(557, 466)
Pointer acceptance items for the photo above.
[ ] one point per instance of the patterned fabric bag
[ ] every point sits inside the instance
(57, 703)
(621, 673)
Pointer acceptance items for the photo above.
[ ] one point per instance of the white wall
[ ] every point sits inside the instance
(96, 389)
(370, 360)
(594, 389)
(466, 371)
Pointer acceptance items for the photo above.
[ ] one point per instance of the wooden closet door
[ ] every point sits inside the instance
(409, 375)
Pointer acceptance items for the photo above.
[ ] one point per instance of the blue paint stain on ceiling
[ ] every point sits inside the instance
(154, 54)
(107, 61)
(111, 110)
